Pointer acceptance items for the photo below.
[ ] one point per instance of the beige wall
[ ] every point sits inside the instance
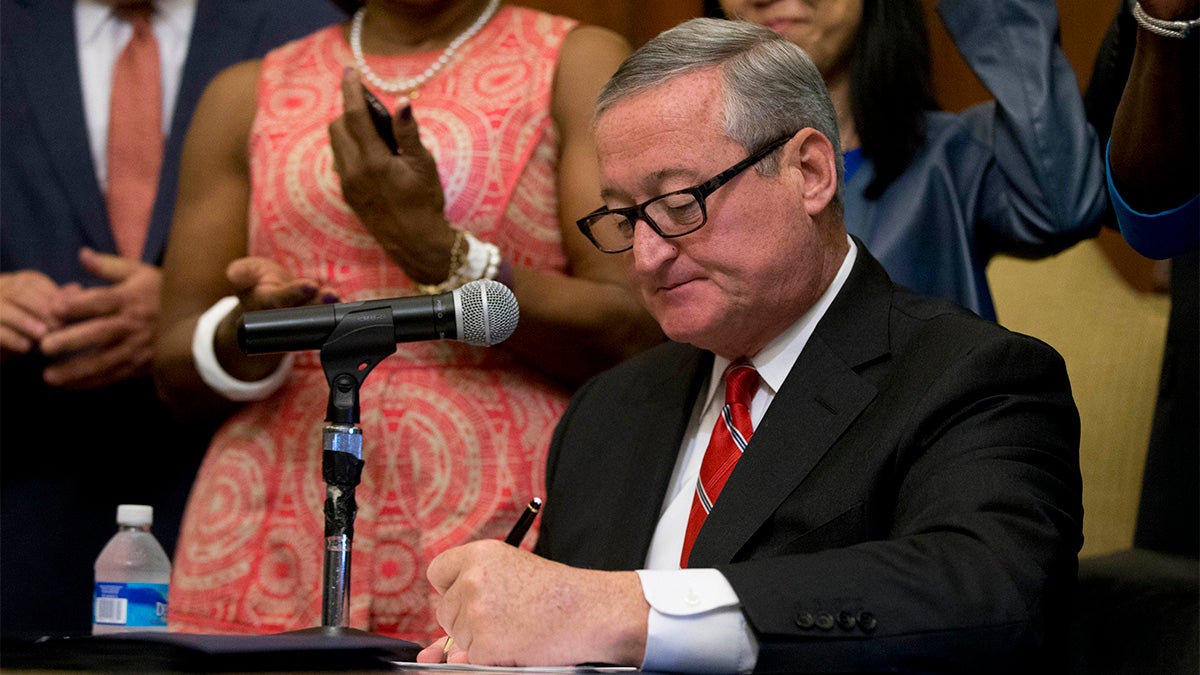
(1111, 337)
(637, 21)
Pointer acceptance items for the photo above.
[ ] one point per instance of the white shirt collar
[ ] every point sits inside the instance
(91, 16)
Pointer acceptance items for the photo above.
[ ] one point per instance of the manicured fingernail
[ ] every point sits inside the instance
(406, 113)
(329, 298)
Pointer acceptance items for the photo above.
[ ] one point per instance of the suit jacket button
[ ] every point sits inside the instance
(846, 620)
(867, 622)
(805, 620)
(825, 621)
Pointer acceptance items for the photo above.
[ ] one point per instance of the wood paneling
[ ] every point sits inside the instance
(1083, 25)
(637, 21)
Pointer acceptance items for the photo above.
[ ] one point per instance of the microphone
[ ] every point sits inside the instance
(481, 313)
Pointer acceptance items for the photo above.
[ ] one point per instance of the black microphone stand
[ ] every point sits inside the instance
(359, 342)
(363, 334)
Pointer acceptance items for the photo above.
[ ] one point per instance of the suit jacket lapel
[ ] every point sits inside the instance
(666, 409)
(821, 397)
(50, 70)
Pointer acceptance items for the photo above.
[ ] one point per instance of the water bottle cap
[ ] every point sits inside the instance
(135, 515)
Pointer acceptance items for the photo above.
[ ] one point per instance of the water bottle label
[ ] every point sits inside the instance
(132, 605)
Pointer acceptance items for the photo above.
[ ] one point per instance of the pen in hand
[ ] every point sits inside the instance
(522, 527)
(515, 535)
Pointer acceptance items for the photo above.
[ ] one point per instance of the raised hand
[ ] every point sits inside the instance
(398, 197)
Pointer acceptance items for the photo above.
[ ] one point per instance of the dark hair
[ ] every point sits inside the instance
(891, 86)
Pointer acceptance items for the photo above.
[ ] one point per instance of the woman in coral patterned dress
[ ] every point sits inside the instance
(287, 197)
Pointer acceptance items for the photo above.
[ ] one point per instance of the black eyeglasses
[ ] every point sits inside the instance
(671, 215)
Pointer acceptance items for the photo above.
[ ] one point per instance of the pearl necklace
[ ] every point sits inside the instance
(410, 85)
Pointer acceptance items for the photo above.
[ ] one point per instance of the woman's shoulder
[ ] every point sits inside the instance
(534, 24)
(235, 82)
(314, 54)
(536, 17)
(538, 24)
(589, 39)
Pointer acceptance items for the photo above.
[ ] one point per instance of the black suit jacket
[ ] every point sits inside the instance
(69, 457)
(910, 501)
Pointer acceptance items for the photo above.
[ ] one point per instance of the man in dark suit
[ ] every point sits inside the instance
(82, 430)
(907, 491)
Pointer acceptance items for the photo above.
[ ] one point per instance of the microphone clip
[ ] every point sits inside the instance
(361, 339)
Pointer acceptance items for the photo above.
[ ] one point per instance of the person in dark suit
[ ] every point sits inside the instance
(82, 429)
(908, 493)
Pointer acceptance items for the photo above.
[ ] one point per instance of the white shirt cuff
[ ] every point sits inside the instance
(696, 624)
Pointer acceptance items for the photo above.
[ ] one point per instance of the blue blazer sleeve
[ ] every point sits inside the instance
(1043, 188)
(1159, 236)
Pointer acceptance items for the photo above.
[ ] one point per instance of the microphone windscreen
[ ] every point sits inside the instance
(488, 312)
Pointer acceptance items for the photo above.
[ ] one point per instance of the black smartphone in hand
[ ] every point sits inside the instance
(382, 120)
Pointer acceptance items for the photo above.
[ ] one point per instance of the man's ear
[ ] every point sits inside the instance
(812, 153)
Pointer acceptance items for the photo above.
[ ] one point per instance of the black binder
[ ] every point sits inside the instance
(311, 650)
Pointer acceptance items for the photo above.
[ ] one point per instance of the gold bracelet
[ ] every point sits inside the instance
(458, 253)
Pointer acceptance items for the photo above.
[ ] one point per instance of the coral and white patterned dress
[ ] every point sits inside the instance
(454, 436)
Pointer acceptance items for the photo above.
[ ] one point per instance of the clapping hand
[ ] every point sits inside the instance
(31, 306)
(106, 333)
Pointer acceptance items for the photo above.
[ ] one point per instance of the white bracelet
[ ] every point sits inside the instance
(210, 369)
(1162, 27)
(483, 260)
(493, 263)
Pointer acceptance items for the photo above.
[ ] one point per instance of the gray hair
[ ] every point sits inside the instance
(772, 87)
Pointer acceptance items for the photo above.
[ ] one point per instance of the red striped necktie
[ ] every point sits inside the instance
(135, 142)
(729, 438)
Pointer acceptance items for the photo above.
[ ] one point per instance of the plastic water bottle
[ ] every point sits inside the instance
(132, 577)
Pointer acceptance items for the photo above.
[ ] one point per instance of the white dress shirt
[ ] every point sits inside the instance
(99, 38)
(696, 624)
